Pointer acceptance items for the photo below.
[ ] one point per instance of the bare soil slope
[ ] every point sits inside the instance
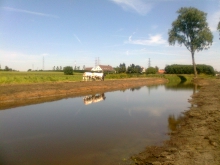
(24, 94)
(197, 139)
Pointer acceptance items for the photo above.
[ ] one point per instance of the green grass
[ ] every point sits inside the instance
(123, 76)
(42, 77)
(36, 77)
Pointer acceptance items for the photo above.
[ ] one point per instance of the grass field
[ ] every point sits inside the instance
(41, 77)
(36, 77)
(7, 77)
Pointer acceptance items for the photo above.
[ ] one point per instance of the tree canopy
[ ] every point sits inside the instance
(134, 69)
(121, 68)
(191, 29)
(151, 70)
(68, 70)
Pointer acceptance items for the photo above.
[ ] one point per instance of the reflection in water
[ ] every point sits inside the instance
(93, 98)
(173, 123)
(68, 132)
(133, 89)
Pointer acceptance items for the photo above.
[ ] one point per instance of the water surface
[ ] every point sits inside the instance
(102, 129)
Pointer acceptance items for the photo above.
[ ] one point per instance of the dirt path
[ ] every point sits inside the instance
(196, 140)
(19, 95)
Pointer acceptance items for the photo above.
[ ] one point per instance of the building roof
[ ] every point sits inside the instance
(106, 67)
(161, 71)
(88, 68)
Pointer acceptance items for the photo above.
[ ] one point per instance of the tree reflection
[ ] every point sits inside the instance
(137, 88)
(173, 123)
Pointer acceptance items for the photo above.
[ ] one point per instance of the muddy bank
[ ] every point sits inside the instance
(195, 140)
(19, 95)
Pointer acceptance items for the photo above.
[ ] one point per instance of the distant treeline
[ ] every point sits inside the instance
(77, 71)
(6, 69)
(188, 69)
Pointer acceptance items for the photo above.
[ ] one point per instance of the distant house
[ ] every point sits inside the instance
(88, 69)
(143, 69)
(161, 71)
(103, 68)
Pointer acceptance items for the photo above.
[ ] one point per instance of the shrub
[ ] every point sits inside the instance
(68, 70)
(151, 70)
(188, 69)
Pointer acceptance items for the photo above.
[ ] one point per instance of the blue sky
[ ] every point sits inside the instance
(77, 32)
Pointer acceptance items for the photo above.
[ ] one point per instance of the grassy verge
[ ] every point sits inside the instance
(41, 77)
(36, 77)
(180, 78)
(124, 75)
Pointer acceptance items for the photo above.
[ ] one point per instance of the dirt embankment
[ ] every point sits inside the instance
(24, 94)
(196, 140)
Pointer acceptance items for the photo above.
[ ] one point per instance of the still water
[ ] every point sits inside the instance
(102, 129)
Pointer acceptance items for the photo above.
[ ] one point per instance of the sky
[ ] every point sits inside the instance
(37, 34)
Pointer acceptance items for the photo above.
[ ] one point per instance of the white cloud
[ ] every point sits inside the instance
(153, 40)
(29, 12)
(139, 6)
(77, 39)
(213, 20)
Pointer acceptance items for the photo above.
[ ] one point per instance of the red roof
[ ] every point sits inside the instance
(88, 68)
(161, 71)
(106, 68)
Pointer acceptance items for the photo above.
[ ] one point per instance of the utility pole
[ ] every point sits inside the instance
(97, 61)
(149, 63)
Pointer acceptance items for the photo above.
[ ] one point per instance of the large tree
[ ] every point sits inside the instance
(191, 29)
(134, 69)
(122, 68)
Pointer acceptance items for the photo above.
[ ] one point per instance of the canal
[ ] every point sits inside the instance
(102, 129)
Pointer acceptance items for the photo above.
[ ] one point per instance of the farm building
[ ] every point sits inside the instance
(161, 71)
(88, 69)
(103, 68)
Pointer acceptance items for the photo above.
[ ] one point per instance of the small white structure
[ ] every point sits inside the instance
(143, 69)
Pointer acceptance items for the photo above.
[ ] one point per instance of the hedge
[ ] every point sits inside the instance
(188, 69)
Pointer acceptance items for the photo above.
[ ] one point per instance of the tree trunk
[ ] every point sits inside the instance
(194, 65)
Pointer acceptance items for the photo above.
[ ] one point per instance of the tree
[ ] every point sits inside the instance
(7, 68)
(191, 30)
(122, 68)
(151, 70)
(134, 69)
(68, 70)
